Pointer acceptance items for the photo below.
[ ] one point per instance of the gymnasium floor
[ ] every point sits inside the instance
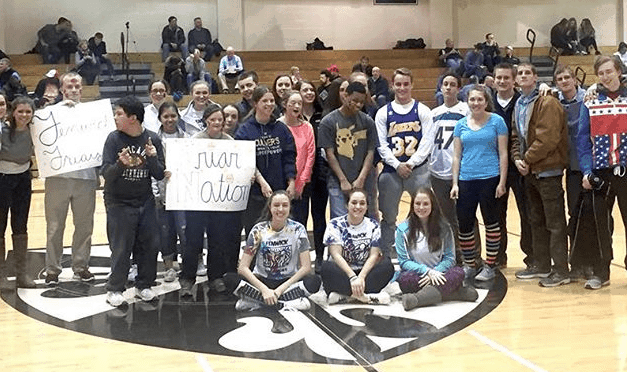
(514, 326)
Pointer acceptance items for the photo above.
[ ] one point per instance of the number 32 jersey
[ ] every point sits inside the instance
(405, 134)
(444, 120)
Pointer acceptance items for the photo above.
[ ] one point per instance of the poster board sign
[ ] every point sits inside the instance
(70, 138)
(209, 175)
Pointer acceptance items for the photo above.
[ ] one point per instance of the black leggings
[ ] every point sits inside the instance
(335, 280)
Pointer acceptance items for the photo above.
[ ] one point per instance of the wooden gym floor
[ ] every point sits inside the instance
(533, 329)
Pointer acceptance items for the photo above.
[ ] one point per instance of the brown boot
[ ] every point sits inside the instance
(20, 245)
(4, 283)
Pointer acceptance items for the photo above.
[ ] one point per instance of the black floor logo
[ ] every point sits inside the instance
(208, 323)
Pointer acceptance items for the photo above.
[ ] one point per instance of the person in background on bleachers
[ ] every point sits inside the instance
(622, 55)
(86, 64)
(99, 48)
(463, 93)
(192, 115)
(48, 90)
(197, 69)
(474, 62)
(509, 56)
(4, 104)
(230, 68)
(175, 74)
(10, 82)
(200, 38)
(247, 81)
(295, 75)
(3, 55)
(491, 52)
(56, 41)
(587, 37)
(323, 89)
(157, 91)
(380, 87)
(173, 39)
(451, 57)
(232, 119)
(363, 66)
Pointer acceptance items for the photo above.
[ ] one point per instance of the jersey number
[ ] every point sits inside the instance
(404, 146)
(439, 137)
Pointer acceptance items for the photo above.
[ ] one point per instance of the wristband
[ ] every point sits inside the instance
(352, 278)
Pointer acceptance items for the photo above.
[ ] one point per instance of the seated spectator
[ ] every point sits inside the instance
(277, 249)
(295, 75)
(451, 57)
(564, 36)
(356, 269)
(426, 254)
(509, 56)
(491, 52)
(99, 48)
(363, 66)
(380, 87)
(587, 36)
(197, 70)
(86, 63)
(3, 55)
(572, 36)
(173, 39)
(10, 82)
(230, 68)
(463, 93)
(48, 90)
(174, 75)
(247, 82)
(622, 54)
(473, 63)
(56, 41)
(200, 38)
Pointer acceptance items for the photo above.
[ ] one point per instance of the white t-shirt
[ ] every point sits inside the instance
(356, 240)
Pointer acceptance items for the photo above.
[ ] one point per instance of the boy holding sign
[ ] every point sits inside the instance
(131, 156)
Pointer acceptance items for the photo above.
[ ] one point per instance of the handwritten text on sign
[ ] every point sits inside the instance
(71, 138)
(209, 175)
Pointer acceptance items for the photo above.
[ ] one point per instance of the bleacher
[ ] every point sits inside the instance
(423, 63)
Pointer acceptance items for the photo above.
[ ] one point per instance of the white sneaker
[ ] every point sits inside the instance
(393, 289)
(132, 273)
(335, 298)
(202, 269)
(244, 304)
(381, 298)
(301, 304)
(169, 276)
(146, 294)
(115, 299)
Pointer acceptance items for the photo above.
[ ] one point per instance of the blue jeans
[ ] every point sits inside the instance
(166, 48)
(172, 228)
(337, 198)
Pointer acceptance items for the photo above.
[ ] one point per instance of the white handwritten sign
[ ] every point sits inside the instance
(71, 138)
(209, 175)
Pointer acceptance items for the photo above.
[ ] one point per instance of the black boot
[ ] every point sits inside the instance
(20, 244)
(4, 283)
(429, 295)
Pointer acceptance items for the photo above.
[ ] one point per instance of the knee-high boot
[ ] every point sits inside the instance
(4, 283)
(20, 245)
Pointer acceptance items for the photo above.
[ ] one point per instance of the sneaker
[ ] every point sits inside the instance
(202, 269)
(336, 298)
(554, 280)
(115, 299)
(146, 294)
(596, 283)
(244, 304)
(532, 272)
(486, 273)
(218, 285)
(301, 304)
(381, 298)
(469, 272)
(186, 287)
(52, 279)
(84, 276)
(132, 273)
(169, 276)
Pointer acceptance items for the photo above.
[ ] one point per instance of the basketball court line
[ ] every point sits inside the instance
(510, 354)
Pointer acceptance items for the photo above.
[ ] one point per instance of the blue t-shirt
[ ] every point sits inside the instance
(480, 148)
